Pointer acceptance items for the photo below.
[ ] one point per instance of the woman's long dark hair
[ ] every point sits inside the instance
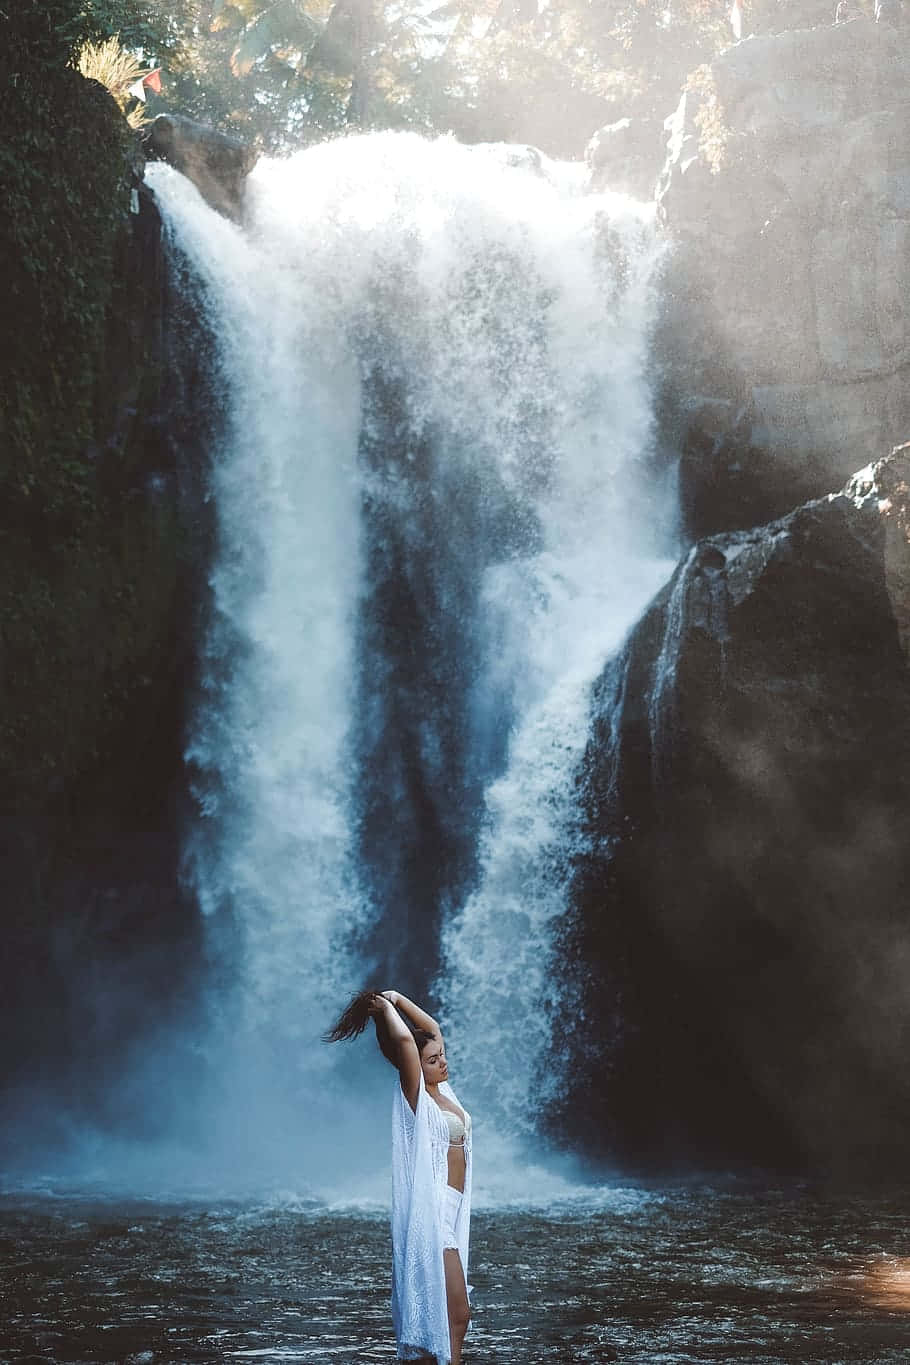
(354, 1019)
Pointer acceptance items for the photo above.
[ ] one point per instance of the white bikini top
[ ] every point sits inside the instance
(458, 1129)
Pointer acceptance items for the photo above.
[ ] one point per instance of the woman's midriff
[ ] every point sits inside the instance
(456, 1166)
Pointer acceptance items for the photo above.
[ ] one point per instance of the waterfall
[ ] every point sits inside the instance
(661, 704)
(437, 514)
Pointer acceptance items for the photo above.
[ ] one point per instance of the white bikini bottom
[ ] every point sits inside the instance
(450, 1211)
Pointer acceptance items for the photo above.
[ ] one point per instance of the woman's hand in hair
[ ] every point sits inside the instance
(418, 1017)
(391, 996)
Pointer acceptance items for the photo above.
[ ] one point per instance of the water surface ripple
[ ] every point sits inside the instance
(694, 1273)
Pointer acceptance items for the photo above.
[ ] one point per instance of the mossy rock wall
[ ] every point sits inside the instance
(89, 547)
(96, 537)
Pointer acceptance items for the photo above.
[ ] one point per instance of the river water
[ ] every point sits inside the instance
(692, 1272)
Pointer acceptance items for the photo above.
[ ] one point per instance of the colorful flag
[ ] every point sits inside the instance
(152, 80)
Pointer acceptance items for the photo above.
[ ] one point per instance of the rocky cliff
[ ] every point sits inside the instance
(98, 529)
(217, 164)
(739, 934)
(739, 930)
(741, 914)
(786, 337)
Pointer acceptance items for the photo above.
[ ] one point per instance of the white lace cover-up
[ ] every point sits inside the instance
(420, 1151)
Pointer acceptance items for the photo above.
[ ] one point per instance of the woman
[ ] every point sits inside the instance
(431, 1178)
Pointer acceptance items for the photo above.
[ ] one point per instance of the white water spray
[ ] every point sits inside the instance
(507, 313)
(269, 738)
(603, 556)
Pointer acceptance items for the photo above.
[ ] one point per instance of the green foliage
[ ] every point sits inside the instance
(276, 72)
(714, 134)
(480, 68)
(38, 35)
(63, 166)
(286, 72)
(552, 77)
(45, 35)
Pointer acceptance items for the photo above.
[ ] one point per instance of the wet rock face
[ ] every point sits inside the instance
(216, 163)
(747, 789)
(787, 192)
(623, 156)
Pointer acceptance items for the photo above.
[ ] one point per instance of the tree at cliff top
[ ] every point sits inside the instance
(285, 72)
(519, 70)
(241, 67)
(551, 74)
(484, 69)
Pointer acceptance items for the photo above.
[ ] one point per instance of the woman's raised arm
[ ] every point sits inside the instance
(407, 1056)
(418, 1017)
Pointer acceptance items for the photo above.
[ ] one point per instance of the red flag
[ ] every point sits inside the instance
(153, 80)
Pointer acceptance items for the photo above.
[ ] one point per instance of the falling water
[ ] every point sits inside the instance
(661, 702)
(437, 516)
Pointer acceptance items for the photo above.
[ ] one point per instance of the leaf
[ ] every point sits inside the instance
(283, 24)
(225, 18)
(337, 46)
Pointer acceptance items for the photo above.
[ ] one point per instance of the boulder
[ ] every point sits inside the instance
(743, 897)
(808, 79)
(216, 163)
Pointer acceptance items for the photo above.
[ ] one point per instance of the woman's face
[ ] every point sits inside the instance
(433, 1063)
